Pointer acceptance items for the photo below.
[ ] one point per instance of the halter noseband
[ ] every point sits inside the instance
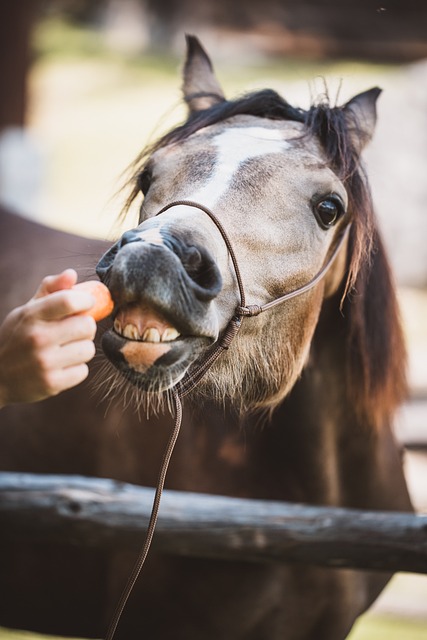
(192, 377)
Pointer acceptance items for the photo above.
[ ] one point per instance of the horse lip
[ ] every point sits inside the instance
(170, 360)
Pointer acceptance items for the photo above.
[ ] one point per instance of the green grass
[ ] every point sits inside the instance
(389, 628)
(56, 39)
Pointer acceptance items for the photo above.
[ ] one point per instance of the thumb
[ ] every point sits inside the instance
(50, 284)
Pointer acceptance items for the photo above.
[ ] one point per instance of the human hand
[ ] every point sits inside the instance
(44, 345)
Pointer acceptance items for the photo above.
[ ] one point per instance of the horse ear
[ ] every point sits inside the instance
(201, 88)
(361, 114)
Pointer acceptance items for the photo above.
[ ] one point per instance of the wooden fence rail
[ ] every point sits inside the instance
(102, 513)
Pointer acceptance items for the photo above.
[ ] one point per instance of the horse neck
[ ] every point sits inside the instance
(316, 448)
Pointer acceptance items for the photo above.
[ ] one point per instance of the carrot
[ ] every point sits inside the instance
(104, 303)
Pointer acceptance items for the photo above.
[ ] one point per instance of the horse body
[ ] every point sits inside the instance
(280, 415)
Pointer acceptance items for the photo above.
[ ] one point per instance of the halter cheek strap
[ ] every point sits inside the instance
(194, 375)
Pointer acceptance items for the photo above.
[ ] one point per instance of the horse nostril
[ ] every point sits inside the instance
(203, 271)
(192, 261)
(128, 237)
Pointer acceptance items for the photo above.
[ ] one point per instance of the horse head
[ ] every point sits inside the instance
(279, 185)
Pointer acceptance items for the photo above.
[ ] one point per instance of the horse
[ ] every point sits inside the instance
(256, 286)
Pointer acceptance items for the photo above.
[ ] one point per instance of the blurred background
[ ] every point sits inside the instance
(87, 83)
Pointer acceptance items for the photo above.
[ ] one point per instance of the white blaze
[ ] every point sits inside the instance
(236, 146)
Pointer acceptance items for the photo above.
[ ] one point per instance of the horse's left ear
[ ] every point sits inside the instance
(361, 114)
(201, 88)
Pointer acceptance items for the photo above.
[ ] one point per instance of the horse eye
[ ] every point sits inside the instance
(143, 181)
(329, 211)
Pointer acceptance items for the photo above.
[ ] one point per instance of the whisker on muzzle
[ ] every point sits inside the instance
(113, 386)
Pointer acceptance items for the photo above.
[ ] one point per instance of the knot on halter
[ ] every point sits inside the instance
(249, 310)
(230, 332)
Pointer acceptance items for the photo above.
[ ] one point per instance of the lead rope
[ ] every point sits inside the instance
(191, 380)
(152, 523)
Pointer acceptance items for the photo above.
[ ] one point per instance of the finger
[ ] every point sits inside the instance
(71, 329)
(63, 379)
(54, 359)
(75, 353)
(61, 304)
(50, 284)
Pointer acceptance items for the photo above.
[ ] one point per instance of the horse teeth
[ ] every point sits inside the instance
(130, 332)
(117, 326)
(151, 335)
(169, 335)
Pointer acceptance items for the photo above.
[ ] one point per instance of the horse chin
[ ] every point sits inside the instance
(152, 366)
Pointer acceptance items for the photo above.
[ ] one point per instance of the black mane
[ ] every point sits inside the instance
(263, 104)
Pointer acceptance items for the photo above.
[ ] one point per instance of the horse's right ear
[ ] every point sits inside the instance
(201, 88)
